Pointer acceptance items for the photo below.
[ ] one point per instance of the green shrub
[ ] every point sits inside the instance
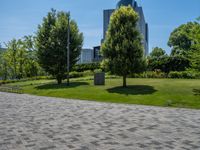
(187, 75)
(84, 67)
(155, 74)
(26, 79)
(175, 75)
(112, 76)
(39, 78)
(149, 74)
(184, 75)
(75, 74)
(197, 75)
(88, 73)
(8, 81)
(97, 70)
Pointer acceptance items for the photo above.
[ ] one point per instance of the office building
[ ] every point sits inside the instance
(142, 25)
(86, 56)
(97, 55)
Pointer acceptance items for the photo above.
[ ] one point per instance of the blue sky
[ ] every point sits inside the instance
(21, 17)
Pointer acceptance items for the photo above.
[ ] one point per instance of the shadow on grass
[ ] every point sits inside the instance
(60, 86)
(196, 92)
(133, 90)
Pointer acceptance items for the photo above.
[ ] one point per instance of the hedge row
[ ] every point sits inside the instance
(149, 74)
(184, 75)
(173, 75)
(86, 73)
(26, 79)
(84, 67)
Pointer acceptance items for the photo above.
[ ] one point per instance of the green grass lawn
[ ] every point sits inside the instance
(156, 92)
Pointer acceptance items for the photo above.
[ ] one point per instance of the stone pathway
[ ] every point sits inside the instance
(43, 123)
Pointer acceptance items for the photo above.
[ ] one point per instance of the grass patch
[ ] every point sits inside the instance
(157, 92)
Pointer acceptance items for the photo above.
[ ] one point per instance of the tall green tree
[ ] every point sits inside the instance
(21, 59)
(195, 59)
(51, 42)
(32, 67)
(195, 53)
(122, 47)
(185, 41)
(29, 43)
(183, 37)
(158, 60)
(16, 58)
(3, 65)
(11, 54)
(157, 52)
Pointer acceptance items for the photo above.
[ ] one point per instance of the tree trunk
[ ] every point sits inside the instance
(59, 80)
(124, 81)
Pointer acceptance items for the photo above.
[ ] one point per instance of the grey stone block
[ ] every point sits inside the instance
(99, 78)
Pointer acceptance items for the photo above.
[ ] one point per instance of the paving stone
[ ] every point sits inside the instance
(42, 123)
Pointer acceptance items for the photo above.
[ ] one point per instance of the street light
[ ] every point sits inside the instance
(68, 49)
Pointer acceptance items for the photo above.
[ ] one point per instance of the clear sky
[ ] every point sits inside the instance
(21, 17)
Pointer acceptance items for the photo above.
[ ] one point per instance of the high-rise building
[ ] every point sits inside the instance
(86, 56)
(97, 55)
(142, 25)
(106, 20)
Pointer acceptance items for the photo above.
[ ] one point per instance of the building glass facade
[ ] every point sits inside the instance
(86, 56)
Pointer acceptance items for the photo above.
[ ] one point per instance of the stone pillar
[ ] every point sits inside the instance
(99, 78)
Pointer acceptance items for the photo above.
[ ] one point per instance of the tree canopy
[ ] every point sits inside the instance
(19, 59)
(157, 52)
(195, 53)
(122, 48)
(51, 42)
(184, 37)
(159, 60)
(185, 43)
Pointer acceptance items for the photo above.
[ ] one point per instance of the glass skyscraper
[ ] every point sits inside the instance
(142, 25)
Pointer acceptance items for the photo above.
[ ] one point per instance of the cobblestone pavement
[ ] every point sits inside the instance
(43, 123)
